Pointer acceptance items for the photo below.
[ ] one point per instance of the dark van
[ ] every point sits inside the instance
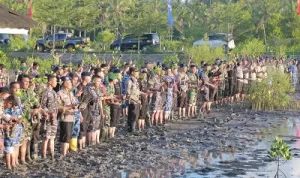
(130, 42)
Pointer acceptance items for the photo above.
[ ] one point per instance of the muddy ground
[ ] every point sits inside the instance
(160, 151)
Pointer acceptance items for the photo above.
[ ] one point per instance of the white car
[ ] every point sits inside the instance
(218, 40)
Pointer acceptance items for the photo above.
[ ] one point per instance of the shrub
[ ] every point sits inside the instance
(172, 46)
(168, 60)
(204, 53)
(272, 92)
(253, 47)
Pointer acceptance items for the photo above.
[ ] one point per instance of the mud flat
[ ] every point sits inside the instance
(230, 142)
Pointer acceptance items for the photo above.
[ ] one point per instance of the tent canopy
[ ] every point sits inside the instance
(12, 19)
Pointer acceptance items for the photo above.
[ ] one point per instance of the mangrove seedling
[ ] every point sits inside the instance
(280, 151)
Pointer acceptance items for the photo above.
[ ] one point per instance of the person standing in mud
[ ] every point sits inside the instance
(133, 96)
(117, 108)
(144, 88)
(49, 106)
(155, 86)
(84, 101)
(96, 111)
(66, 113)
(183, 88)
(192, 92)
(24, 81)
(113, 103)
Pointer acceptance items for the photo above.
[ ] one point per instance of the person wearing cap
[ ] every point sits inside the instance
(133, 96)
(95, 110)
(84, 101)
(125, 79)
(113, 104)
(58, 72)
(49, 105)
(66, 114)
(35, 69)
(116, 109)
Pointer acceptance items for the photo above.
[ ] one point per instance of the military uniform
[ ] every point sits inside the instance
(84, 101)
(183, 88)
(144, 99)
(192, 92)
(95, 108)
(133, 93)
(66, 118)
(105, 124)
(49, 104)
(116, 109)
(157, 100)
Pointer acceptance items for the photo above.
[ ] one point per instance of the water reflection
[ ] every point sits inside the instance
(191, 165)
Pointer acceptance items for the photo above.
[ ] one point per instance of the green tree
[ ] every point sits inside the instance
(105, 38)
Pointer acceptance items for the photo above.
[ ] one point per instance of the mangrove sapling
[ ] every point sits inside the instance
(272, 92)
(279, 151)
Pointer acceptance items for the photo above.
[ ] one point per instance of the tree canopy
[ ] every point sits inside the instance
(272, 21)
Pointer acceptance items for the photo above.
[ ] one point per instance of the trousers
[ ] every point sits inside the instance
(133, 115)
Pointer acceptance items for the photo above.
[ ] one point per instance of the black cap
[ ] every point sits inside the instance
(65, 78)
(57, 68)
(116, 71)
(85, 74)
(133, 69)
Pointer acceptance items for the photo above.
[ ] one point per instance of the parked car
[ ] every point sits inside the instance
(131, 42)
(218, 40)
(4, 39)
(61, 41)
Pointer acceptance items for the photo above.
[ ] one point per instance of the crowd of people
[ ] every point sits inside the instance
(84, 104)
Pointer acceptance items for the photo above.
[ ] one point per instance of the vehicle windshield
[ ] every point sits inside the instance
(3, 36)
(224, 37)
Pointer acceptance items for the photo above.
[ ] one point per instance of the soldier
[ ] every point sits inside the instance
(192, 93)
(49, 106)
(84, 101)
(24, 81)
(66, 113)
(143, 83)
(114, 103)
(155, 86)
(118, 93)
(133, 95)
(183, 88)
(95, 110)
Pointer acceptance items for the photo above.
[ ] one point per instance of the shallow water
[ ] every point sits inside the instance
(253, 162)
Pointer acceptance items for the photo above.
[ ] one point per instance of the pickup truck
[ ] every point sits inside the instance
(61, 41)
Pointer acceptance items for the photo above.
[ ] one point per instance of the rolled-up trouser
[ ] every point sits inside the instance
(36, 127)
(133, 115)
(85, 123)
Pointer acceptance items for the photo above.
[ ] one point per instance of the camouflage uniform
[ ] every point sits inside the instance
(115, 111)
(157, 101)
(95, 108)
(84, 100)
(192, 93)
(133, 92)
(105, 124)
(50, 105)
